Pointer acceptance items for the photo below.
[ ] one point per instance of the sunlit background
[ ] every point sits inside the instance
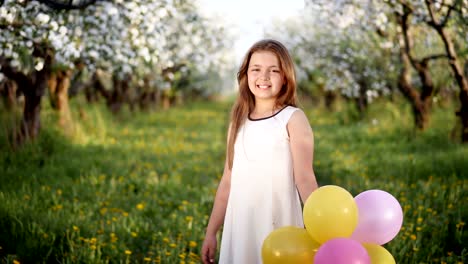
(114, 115)
(248, 21)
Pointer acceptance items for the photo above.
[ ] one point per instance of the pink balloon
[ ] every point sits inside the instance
(380, 217)
(342, 251)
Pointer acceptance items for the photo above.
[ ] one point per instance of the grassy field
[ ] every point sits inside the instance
(138, 188)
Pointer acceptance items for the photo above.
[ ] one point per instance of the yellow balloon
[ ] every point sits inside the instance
(289, 245)
(330, 212)
(378, 254)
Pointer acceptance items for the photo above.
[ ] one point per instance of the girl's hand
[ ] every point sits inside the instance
(209, 249)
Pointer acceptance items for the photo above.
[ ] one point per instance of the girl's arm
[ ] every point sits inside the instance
(220, 202)
(302, 149)
(217, 214)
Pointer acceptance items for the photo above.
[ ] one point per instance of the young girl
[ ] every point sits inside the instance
(268, 169)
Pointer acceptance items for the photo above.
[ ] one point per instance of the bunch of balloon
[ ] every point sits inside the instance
(339, 229)
(289, 245)
(352, 230)
(380, 220)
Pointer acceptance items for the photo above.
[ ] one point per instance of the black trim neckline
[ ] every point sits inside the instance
(263, 118)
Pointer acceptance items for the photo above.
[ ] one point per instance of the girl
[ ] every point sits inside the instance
(268, 169)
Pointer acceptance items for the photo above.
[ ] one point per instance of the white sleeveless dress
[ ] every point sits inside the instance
(263, 196)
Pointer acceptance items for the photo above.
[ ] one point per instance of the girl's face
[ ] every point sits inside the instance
(264, 75)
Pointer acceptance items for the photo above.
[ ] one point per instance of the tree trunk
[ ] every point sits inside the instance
(330, 98)
(31, 122)
(8, 91)
(59, 84)
(95, 87)
(149, 97)
(52, 85)
(420, 102)
(361, 101)
(419, 107)
(461, 79)
(166, 102)
(118, 94)
(33, 87)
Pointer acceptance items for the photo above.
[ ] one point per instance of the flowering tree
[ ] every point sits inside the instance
(141, 43)
(382, 42)
(340, 55)
(446, 18)
(29, 49)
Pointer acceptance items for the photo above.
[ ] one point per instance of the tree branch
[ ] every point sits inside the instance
(433, 21)
(434, 57)
(67, 4)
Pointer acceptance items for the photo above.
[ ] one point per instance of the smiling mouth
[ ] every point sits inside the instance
(263, 86)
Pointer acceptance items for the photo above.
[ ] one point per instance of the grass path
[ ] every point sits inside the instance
(138, 188)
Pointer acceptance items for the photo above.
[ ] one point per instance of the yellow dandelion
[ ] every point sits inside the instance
(114, 238)
(172, 245)
(192, 244)
(419, 220)
(168, 253)
(125, 214)
(103, 211)
(166, 240)
(16, 262)
(413, 237)
(75, 228)
(133, 234)
(182, 255)
(128, 252)
(147, 259)
(140, 206)
(57, 207)
(189, 218)
(92, 247)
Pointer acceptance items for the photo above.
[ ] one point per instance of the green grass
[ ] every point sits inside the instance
(138, 187)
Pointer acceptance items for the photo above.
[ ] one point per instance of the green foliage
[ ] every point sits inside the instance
(138, 188)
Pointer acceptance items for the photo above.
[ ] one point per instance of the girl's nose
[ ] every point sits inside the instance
(266, 75)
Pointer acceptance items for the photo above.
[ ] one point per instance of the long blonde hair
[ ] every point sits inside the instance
(245, 101)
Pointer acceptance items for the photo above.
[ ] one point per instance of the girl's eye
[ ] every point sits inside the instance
(255, 69)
